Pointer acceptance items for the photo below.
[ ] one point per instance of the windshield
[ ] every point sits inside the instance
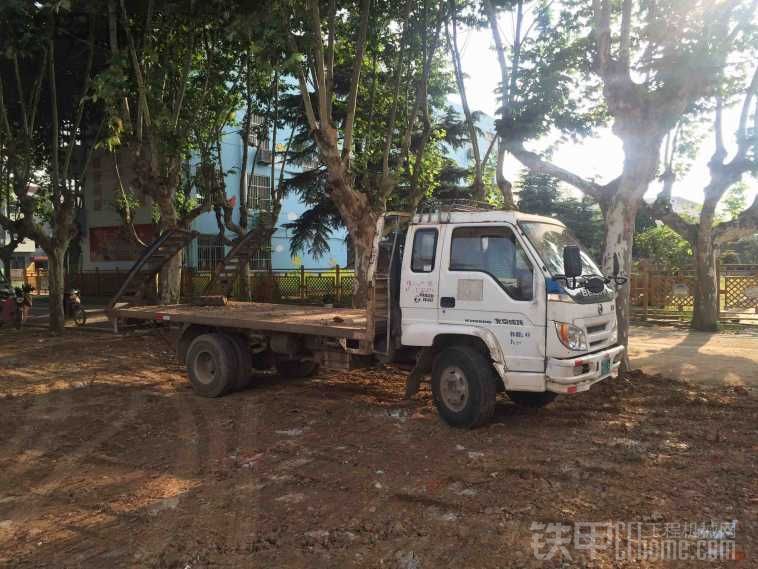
(549, 240)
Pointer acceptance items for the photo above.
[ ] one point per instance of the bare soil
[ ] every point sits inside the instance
(107, 459)
(704, 358)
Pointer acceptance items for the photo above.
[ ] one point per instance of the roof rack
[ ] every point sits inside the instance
(447, 206)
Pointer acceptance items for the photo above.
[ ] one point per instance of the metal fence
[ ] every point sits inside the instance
(661, 292)
(303, 285)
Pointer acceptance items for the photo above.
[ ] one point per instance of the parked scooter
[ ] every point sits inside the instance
(15, 307)
(72, 307)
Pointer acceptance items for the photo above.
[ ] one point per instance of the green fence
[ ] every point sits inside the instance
(334, 285)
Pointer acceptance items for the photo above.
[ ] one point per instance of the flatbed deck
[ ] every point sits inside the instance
(265, 317)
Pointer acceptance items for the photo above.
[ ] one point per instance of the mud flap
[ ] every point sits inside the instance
(423, 367)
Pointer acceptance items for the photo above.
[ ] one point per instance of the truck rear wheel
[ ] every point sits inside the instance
(464, 387)
(296, 368)
(244, 361)
(532, 398)
(212, 365)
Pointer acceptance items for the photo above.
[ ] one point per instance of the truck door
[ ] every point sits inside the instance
(420, 275)
(488, 280)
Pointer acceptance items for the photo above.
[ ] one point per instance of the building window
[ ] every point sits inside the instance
(496, 252)
(424, 250)
(257, 131)
(210, 250)
(260, 260)
(259, 192)
(308, 163)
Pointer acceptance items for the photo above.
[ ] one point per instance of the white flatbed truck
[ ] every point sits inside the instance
(485, 301)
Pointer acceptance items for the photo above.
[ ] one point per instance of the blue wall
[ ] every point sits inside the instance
(292, 207)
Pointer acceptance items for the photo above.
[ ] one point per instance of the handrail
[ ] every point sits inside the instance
(146, 256)
(233, 252)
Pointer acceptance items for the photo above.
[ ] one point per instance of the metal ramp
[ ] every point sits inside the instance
(227, 270)
(153, 259)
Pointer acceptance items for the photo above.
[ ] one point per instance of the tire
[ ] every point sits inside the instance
(212, 365)
(80, 316)
(296, 368)
(244, 361)
(531, 398)
(464, 387)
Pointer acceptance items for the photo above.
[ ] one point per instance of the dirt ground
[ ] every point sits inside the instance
(703, 358)
(107, 459)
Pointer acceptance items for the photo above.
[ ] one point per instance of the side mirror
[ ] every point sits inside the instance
(616, 269)
(572, 261)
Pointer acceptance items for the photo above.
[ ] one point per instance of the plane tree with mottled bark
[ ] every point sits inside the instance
(49, 126)
(706, 235)
(637, 66)
(366, 104)
(171, 65)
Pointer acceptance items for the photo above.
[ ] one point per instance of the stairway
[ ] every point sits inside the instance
(226, 272)
(153, 259)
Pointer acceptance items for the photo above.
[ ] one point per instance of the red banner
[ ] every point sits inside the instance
(116, 243)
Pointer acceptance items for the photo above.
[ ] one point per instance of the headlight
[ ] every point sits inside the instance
(571, 336)
(614, 331)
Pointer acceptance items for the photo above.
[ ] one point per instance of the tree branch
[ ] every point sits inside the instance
(319, 64)
(743, 141)
(500, 49)
(330, 53)
(80, 108)
(352, 98)
(396, 93)
(743, 225)
(452, 44)
(20, 90)
(535, 162)
(625, 40)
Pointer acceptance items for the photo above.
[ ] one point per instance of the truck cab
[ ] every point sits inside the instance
(485, 297)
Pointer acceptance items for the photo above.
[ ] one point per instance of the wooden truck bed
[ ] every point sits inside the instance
(333, 322)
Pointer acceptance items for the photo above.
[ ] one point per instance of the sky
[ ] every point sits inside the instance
(600, 156)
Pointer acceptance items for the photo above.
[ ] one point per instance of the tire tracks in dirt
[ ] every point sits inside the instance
(65, 468)
(244, 522)
(56, 405)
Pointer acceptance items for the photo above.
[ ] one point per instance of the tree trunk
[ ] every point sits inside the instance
(641, 151)
(363, 245)
(503, 184)
(619, 235)
(56, 284)
(706, 314)
(170, 279)
(7, 268)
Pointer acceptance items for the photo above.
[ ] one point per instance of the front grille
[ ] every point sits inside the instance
(595, 329)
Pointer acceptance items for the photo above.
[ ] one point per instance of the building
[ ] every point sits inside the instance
(206, 249)
(26, 257)
(107, 244)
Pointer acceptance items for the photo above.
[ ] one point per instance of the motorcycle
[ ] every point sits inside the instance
(15, 306)
(72, 307)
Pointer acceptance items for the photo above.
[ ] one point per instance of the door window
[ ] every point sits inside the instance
(496, 252)
(424, 249)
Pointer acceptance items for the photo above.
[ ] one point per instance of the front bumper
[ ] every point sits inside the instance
(580, 373)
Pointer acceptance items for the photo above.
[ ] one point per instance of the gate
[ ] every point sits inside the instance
(666, 294)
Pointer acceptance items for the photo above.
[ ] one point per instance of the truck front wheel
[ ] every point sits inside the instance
(464, 387)
(211, 365)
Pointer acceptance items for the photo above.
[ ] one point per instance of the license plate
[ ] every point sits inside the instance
(605, 366)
